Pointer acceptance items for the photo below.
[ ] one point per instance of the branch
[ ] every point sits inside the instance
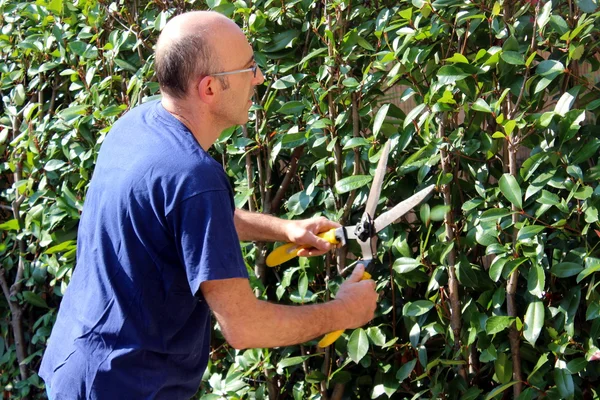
(291, 172)
(16, 312)
(511, 287)
(249, 173)
(455, 316)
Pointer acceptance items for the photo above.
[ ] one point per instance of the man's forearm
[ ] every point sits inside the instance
(259, 227)
(248, 322)
(274, 325)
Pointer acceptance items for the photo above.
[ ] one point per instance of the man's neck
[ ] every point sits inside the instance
(197, 121)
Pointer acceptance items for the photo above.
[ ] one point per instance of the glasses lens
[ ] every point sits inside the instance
(254, 68)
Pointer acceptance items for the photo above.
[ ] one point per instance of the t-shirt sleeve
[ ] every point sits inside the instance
(206, 239)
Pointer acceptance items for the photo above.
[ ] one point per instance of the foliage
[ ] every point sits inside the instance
(486, 289)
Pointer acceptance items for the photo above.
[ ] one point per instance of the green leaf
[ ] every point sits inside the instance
(588, 151)
(303, 285)
(288, 81)
(527, 232)
(350, 82)
(55, 6)
(405, 370)
(544, 16)
(503, 367)
(496, 268)
(536, 280)
(511, 190)
(494, 214)
(125, 65)
(358, 345)
(534, 321)
(350, 183)
(379, 118)
(587, 6)
(403, 265)
(593, 267)
(413, 114)
(291, 108)
(566, 101)
(577, 365)
(10, 225)
(593, 311)
(499, 390)
(53, 165)
(291, 361)
(364, 44)
(548, 198)
(34, 299)
(376, 335)
(549, 68)
(282, 40)
(425, 213)
(513, 57)
(542, 360)
(457, 58)
(438, 213)
(417, 308)
(73, 112)
(566, 269)
(481, 105)
(356, 142)
(497, 324)
(564, 383)
(66, 245)
(299, 202)
(449, 74)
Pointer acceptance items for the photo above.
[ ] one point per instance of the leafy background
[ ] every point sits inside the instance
(486, 291)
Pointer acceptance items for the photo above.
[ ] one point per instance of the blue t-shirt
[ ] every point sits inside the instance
(157, 222)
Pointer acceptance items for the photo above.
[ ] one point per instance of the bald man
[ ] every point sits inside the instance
(158, 243)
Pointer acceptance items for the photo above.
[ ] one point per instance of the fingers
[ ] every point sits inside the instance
(312, 251)
(323, 224)
(357, 273)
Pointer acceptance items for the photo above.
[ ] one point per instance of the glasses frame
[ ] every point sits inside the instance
(252, 69)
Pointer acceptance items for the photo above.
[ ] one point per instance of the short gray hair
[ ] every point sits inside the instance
(179, 62)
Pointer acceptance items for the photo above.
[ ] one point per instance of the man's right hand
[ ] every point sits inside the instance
(358, 297)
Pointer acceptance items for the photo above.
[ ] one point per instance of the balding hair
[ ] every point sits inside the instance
(182, 57)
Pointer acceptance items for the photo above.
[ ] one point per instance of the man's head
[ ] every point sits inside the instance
(194, 46)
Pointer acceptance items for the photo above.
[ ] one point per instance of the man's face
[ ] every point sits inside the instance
(236, 98)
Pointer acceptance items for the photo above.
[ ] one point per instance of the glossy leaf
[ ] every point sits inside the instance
(497, 324)
(511, 190)
(358, 345)
(352, 183)
(380, 118)
(417, 308)
(534, 321)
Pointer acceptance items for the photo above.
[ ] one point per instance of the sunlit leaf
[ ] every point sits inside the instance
(358, 345)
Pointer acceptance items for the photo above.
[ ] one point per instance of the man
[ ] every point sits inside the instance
(158, 243)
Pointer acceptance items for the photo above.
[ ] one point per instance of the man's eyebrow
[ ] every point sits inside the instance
(251, 60)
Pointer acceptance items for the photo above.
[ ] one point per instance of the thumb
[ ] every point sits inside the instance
(357, 273)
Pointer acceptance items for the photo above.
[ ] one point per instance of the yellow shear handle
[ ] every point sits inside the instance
(288, 251)
(331, 337)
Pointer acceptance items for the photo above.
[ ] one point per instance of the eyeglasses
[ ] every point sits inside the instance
(252, 69)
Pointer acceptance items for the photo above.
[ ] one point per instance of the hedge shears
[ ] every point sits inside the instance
(365, 232)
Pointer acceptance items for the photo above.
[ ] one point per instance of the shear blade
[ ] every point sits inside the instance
(402, 208)
(373, 198)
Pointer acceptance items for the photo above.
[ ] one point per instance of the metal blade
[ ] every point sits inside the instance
(402, 208)
(350, 232)
(373, 198)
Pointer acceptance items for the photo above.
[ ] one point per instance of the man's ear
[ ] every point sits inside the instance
(207, 88)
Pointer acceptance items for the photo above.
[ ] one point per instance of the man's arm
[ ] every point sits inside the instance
(267, 228)
(247, 322)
